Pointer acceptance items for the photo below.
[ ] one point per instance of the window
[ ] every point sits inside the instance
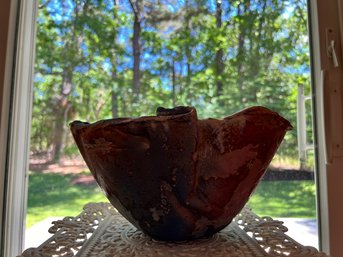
(103, 59)
(17, 139)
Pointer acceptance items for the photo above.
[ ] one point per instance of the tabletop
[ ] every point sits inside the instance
(99, 230)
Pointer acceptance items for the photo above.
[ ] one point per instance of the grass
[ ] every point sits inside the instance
(52, 195)
(285, 199)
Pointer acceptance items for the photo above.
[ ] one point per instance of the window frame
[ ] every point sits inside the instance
(328, 102)
(6, 51)
(16, 123)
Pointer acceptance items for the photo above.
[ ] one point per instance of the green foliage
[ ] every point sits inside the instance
(265, 57)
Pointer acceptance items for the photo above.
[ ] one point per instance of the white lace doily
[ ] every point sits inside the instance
(101, 231)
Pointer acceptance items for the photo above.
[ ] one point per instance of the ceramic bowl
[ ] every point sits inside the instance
(176, 177)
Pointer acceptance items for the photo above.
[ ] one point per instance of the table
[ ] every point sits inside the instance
(99, 230)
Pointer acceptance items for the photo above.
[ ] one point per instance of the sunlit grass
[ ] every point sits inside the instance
(285, 199)
(53, 195)
(288, 162)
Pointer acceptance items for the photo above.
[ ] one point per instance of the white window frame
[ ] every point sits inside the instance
(16, 123)
(326, 21)
(16, 114)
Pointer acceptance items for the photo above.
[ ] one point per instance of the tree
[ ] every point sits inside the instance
(220, 52)
(136, 48)
(99, 59)
(59, 56)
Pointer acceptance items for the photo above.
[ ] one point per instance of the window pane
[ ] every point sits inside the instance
(102, 59)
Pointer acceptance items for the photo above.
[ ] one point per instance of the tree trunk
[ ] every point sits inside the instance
(242, 9)
(188, 56)
(58, 137)
(180, 78)
(260, 61)
(136, 49)
(174, 82)
(62, 108)
(114, 95)
(219, 54)
(113, 58)
(136, 55)
(114, 105)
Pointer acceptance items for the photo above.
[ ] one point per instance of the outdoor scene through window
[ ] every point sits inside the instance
(124, 58)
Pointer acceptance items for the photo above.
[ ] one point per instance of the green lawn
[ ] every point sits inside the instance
(285, 199)
(53, 195)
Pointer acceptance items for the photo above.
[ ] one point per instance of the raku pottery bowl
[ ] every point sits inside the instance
(176, 177)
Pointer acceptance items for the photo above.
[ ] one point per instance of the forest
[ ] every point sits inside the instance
(101, 59)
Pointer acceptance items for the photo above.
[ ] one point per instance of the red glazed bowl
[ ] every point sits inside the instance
(176, 177)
